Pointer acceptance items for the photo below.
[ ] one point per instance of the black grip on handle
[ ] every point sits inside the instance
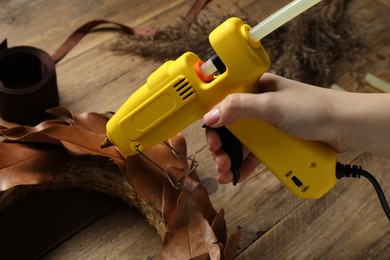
(232, 147)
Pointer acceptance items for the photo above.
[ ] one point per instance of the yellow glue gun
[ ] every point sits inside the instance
(178, 93)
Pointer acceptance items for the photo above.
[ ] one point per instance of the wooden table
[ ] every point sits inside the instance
(347, 223)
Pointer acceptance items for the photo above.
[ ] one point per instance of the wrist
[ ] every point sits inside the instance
(362, 122)
(343, 122)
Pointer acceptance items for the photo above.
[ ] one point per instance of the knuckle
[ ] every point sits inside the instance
(268, 100)
(231, 109)
(233, 103)
(271, 109)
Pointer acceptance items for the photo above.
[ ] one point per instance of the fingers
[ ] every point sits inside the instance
(225, 175)
(228, 111)
(213, 140)
(223, 162)
(248, 105)
(233, 107)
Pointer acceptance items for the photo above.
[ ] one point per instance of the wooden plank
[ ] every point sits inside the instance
(123, 234)
(94, 79)
(347, 223)
(42, 221)
(46, 24)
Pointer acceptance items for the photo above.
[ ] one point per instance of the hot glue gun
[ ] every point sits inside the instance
(182, 91)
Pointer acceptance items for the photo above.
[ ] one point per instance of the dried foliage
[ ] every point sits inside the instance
(303, 49)
(43, 156)
(169, 42)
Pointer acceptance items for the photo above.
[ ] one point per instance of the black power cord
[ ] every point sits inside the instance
(346, 170)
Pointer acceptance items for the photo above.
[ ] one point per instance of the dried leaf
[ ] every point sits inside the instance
(200, 195)
(90, 121)
(61, 111)
(6, 125)
(25, 165)
(231, 246)
(79, 135)
(149, 181)
(219, 227)
(30, 153)
(188, 232)
(205, 256)
(145, 179)
(168, 197)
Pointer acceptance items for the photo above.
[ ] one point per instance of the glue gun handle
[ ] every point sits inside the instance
(233, 148)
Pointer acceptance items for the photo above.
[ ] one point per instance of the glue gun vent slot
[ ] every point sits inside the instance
(184, 88)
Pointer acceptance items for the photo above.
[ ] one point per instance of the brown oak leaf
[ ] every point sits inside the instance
(79, 135)
(25, 165)
(188, 227)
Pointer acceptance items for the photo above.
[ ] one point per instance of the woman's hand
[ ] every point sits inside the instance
(304, 111)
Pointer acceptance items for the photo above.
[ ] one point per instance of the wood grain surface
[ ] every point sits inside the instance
(346, 223)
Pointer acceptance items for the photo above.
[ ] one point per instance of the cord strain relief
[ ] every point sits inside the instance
(347, 170)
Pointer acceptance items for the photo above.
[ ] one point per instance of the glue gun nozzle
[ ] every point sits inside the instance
(106, 143)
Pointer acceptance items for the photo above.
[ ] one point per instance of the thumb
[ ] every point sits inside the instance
(232, 108)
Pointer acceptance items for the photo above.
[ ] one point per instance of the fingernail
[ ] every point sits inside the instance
(211, 117)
